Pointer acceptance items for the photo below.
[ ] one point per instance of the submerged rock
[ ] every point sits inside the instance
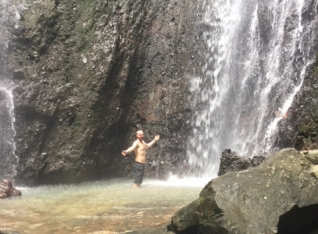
(267, 199)
(7, 190)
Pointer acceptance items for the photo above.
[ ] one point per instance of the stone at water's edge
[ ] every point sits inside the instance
(7, 189)
(230, 161)
(252, 201)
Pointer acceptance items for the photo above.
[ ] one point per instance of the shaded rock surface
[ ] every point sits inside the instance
(266, 199)
(230, 161)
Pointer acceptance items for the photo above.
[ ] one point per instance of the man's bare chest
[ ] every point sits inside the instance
(141, 146)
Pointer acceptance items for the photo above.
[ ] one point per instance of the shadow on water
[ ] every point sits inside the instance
(97, 207)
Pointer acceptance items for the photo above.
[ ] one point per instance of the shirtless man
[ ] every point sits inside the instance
(139, 147)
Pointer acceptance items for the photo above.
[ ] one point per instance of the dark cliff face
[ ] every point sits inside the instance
(91, 73)
(300, 127)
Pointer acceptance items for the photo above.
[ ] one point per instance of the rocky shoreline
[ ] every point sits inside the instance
(278, 196)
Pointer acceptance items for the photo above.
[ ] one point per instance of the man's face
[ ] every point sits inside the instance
(140, 136)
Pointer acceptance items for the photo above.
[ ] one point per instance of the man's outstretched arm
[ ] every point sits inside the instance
(153, 141)
(130, 149)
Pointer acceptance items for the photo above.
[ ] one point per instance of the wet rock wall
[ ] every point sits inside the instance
(88, 74)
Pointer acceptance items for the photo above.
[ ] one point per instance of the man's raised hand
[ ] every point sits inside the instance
(157, 138)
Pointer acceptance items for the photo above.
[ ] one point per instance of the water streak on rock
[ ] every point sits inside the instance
(8, 159)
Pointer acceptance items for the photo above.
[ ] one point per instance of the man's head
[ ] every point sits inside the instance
(140, 135)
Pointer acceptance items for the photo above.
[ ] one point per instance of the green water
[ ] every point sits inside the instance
(104, 207)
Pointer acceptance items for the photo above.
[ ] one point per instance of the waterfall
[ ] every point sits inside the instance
(256, 57)
(8, 159)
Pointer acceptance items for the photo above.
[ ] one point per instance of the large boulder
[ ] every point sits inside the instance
(278, 196)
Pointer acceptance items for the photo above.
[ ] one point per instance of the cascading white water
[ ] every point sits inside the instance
(257, 54)
(8, 159)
